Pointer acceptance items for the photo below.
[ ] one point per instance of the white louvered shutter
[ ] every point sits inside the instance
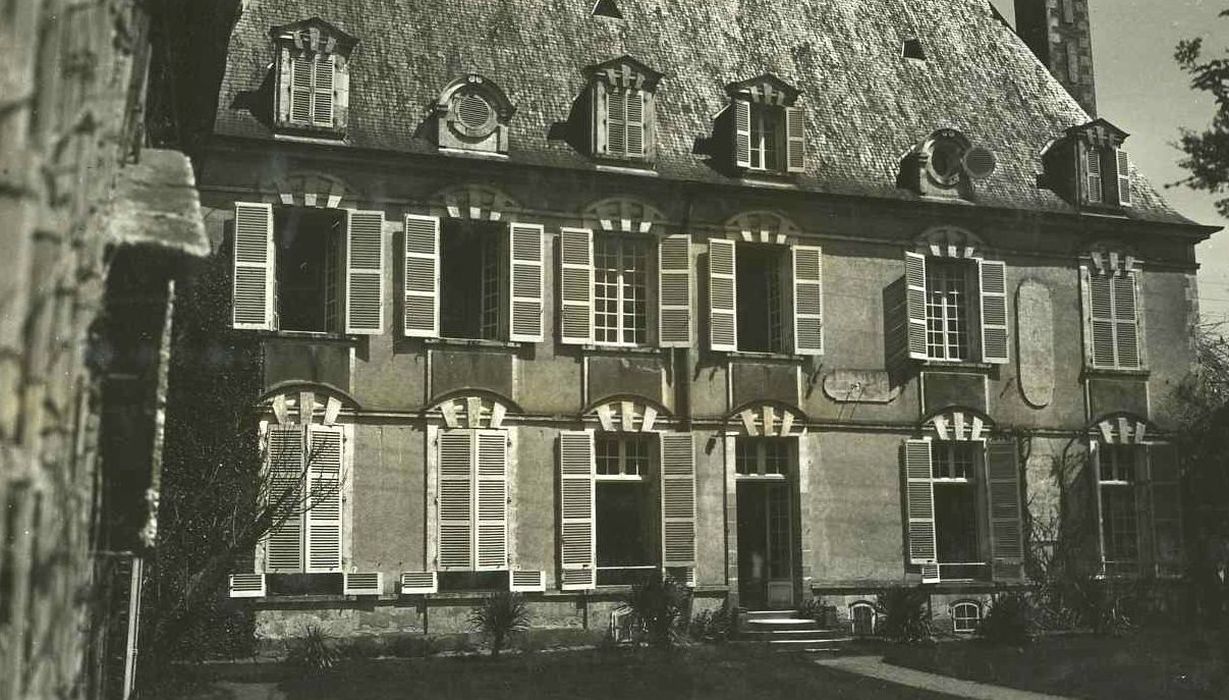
(1101, 319)
(674, 291)
(1092, 168)
(253, 268)
(525, 282)
(722, 296)
(322, 91)
(616, 121)
(324, 481)
(992, 275)
(678, 500)
(920, 502)
(915, 303)
(795, 140)
(1126, 320)
(1123, 162)
(302, 78)
(742, 133)
(284, 465)
(455, 521)
(1166, 496)
(578, 551)
(1003, 496)
(491, 545)
(365, 272)
(635, 124)
(576, 277)
(422, 276)
(808, 300)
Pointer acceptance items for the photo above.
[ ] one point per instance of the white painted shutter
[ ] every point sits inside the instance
(323, 517)
(1092, 168)
(419, 582)
(252, 272)
(455, 521)
(635, 123)
(491, 545)
(576, 277)
(1003, 496)
(527, 581)
(678, 500)
(722, 296)
(284, 469)
(674, 291)
(1166, 495)
(1123, 162)
(578, 555)
(795, 140)
(616, 121)
(598, 116)
(1126, 320)
(742, 133)
(915, 303)
(302, 68)
(322, 91)
(422, 276)
(525, 282)
(993, 278)
(920, 502)
(808, 300)
(1101, 319)
(365, 272)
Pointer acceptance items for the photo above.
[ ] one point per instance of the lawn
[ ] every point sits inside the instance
(1143, 665)
(727, 672)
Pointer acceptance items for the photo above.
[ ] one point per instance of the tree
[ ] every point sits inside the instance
(1207, 151)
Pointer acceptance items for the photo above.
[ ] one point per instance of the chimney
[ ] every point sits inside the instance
(1058, 32)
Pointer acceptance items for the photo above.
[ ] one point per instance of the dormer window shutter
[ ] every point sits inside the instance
(301, 68)
(795, 139)
(253, 267)
(1094, 185)
(1123, 161)
(576, 280)
(365, 272)
(322, 91)
(616, 121)
(422, 277)
(635, 123)
(742, 132)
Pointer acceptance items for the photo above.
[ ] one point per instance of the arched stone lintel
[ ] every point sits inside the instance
(287, 399)
(1121, 428)
(627, 413)
(959, 423)
(768, 419)
(473, 408)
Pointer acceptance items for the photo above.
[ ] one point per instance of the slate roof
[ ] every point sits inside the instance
(866, 105)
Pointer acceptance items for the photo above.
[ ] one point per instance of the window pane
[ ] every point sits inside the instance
(1118, 522)
(947, 303)
(606, 451)
(744, 456)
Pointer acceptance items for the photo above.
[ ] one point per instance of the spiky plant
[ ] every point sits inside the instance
(657, 607)
(313, 652)
(499, 617)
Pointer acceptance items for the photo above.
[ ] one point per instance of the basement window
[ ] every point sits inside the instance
(472, 283)
(966, 616)
(762, 274)
(626, 509)
(309, 270)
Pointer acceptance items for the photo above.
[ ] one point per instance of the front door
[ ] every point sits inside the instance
(765, 561)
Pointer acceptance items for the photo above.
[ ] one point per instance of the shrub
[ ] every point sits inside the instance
(1101, 605)
(814, 608)
(657, 607)
(313, 652)
(904, 614)
(714, 626)
(1009, 620)
(499, 617)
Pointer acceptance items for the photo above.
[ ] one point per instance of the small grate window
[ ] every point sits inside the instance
(965, 617)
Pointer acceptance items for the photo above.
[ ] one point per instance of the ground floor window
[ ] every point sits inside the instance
(626, 509)
(1117, 478)
(955, 498)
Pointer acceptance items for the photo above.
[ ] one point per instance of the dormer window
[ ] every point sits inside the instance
(473, 114)
(1108, 175)
(620, 97)
(946, 164)
(312, 70)
(1089, 167)
(764, 126)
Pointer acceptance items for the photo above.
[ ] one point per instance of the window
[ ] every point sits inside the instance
(472, 282)
(1117, 477)
(625, 124)
(1107, 175)
(620, 100)
(473, 114)
(305, 478)
(311, 89)
(308, 270)
(947, 310)
(765, 137)
(751, 287)
(471, 511)
(760, 297)
(761, 456)
(312, 78)
(764, 125)
(955, 497)
(1112, 320)
(626, 509)
(620, 291)
(862, 618)
(948, 301)
(966, 616)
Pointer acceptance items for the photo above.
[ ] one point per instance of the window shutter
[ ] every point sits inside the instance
(1092, 161)
(920, 502)
(795, 139)
(525, 300)
(1093, 468)
(576, 278)
(678, 500)
(915, 303)
(454, 544)
(302, 67)
(1124, 177)
(742, 133)
(322, 106)
(1101, 320)
(598, 118)
(578, 556)
(1166, 493)
(492, 498)
(722, 295)
(674, 291)
(808, 300)
(324, 478)
(635, 123)
(616, 122)
(284, 467)
(993, 277)
(365, 272)
(1126, 320)
(422, 276)
(253, 267)
(1003, 496)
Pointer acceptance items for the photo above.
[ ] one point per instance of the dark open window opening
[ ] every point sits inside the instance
(762, 278)
(309, 269)
(472, 288)
(954, 467)
(626, 511)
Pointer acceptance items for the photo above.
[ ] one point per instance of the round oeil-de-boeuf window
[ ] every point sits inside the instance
(473, 114)
(946, 161)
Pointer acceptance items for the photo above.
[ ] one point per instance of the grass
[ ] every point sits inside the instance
(724, 672)
(1143, 665)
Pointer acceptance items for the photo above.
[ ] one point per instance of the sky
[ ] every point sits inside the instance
(1141, 90)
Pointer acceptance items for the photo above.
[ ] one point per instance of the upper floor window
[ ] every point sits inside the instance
(764, 126)
(473, 114)
(313, 77)
(957, 308)
(622, 119)
(1113, 322)
(620, 290)
(1108, 175)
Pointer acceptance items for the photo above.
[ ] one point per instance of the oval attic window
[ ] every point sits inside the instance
(946, 160)
(473, 111)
